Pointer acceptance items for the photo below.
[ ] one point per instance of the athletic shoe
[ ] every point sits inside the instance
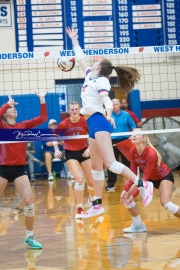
(110, 189)
(135, 228)
(32, 255)
(31, 242)
(50, 177)
(93, 211)
(79, 213)
(147, 192)
(88, 204)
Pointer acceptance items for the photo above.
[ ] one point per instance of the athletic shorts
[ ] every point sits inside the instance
(97, 122)
(168, 177)
(10, 173)
(77, 155)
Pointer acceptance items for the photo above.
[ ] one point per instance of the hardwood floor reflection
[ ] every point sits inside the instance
(91, 244)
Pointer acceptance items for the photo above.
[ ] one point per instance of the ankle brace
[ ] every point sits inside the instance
(97, 201)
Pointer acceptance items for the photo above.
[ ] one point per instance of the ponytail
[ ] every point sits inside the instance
(127, 77)
(147, 142)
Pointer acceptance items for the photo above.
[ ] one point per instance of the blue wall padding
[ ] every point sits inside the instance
(160, 104)
(134, 102)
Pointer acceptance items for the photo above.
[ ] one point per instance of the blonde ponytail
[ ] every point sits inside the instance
(147, 142)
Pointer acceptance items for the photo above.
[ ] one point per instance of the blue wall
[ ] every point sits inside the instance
(134, 102)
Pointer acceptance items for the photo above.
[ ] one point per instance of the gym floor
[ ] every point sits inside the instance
(91, 244)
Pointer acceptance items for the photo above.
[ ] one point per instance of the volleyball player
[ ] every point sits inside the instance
(94, 95)
(147, 158)
(13, 162)
(77, 154)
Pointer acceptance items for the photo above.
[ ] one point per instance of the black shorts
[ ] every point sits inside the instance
(168, 177)
(10, 173)
(77, 155)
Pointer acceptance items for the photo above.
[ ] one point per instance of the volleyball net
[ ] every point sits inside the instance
(22, 73)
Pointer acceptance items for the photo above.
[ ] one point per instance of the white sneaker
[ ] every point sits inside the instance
(88, 204)
(50, 177)
(93, 211)
(146, 192)
(110, 189)
(135, 228)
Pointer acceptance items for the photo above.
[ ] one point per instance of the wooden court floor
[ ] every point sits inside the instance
(95, 243)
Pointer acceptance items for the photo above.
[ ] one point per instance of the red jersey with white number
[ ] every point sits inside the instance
(147, 162)
(71, 129)
(15, 153)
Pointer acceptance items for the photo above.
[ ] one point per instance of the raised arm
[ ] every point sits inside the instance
(72, 33)
(43, 111)
(41, 94)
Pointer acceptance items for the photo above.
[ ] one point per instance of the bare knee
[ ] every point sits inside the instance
(79, 179)
(27, 200)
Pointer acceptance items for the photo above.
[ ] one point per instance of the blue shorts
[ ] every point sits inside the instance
(97, 122)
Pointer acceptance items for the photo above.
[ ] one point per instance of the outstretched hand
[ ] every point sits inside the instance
(72, 33)
(11, 101)
(41, 93)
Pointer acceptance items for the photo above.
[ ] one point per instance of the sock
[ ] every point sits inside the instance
(137, 220)
(95, 198)
(79, 205)
(29, 233)
(91, 198)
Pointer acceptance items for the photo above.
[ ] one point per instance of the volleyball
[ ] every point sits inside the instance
(66, 63)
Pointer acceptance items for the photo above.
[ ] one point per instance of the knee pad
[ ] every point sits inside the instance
(116, 167)
(131, 205)
(97, 175)
(171, 207)
(29, 210)
(79, 186)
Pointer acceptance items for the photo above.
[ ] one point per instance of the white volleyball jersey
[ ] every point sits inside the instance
(91, 93)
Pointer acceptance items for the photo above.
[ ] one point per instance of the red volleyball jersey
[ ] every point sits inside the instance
(147, 162)
(15, 153)
(71, 129)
